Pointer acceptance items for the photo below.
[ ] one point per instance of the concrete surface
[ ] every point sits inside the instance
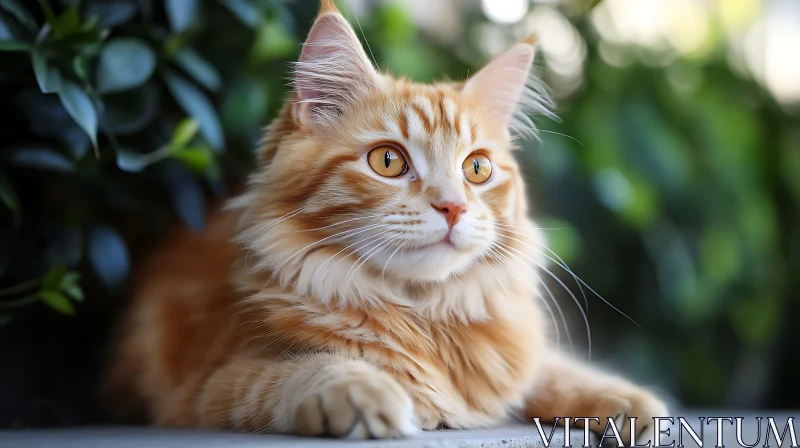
(513, 436)
(135, 437)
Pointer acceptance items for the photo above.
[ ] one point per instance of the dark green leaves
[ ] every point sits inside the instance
(11, 34)
(58, 302)
(80, 108)
(41, 158)
(198, 68)
(195, 103)
(109, 256)
(182, 14)
(111, 13)
(20, 12)
(124, 64)
(187, 195)
(185, 132)
(244, 107)
(244, 10)
(8, 196)
(48, 77)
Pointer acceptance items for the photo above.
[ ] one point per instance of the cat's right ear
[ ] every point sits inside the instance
(332, 71)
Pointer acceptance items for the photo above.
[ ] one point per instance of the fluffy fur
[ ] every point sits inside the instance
(327, 299)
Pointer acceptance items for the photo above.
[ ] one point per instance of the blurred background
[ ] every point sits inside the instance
(670, 184)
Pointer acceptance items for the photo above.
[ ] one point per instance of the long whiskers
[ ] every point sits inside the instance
(383, 271)
(563, 265)
(351, 245)
(340, 223)
(505, 261)
(555, 277)
(366, 257)
(265, 228)
(346, 232)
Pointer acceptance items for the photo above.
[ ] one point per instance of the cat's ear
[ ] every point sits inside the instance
(508, 90)
(332, 71)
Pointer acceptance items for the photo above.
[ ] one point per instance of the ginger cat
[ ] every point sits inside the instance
(376, 277)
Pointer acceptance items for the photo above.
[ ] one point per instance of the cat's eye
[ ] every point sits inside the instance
(477, 168)
(387, 161)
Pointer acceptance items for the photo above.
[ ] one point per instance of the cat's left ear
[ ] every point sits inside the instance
(504, 85)
(333, 69)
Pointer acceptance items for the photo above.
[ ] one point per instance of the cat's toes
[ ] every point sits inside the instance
(357, 405)
(632, 410)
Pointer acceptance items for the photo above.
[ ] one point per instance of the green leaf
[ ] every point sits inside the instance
(109, 256)
(21, 13)
(70, 278)
(80, 108)
(198, 68)
(75, 292)
(131, 111)
(48, 77)
(52, 280)
(134, 162)
(49, 15)
(184, 133)
(244, 107)
(69, 22)
(81, 66)
(8, 45)
(182, 14)
(58, 302)
(42, 158)
(124, 64)
(187, 194)
(71, 287)
(197, 159)
(273, 41)
(197, 106)
(131, 161)
(245, 11)
(111, 13)
(7, 194)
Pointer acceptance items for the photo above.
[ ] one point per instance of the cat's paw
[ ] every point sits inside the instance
(367, 404)
(623, 402)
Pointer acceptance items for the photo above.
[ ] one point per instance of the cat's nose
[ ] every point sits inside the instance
(451, 210)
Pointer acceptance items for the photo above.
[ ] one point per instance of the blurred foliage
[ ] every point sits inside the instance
(679, 205)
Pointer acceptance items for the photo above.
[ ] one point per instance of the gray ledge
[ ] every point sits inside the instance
(512, 436)
(516, 436)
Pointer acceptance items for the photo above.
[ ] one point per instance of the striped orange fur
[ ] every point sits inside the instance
(328, 299)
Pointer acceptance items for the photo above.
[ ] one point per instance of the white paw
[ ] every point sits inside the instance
(367, 404)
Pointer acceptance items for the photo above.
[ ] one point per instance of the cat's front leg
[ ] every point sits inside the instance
(315, 395)
(568, 388)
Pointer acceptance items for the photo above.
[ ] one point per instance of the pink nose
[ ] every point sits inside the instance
(451, 211)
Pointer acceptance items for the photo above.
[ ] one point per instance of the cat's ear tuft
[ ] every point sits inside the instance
(508, 89)
(327, 6)
(333, 69)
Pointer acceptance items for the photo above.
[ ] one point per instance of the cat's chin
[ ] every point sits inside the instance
(433, 262)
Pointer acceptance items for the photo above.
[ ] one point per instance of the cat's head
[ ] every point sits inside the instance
(365, 172)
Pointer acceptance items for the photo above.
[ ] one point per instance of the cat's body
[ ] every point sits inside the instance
(346, 293)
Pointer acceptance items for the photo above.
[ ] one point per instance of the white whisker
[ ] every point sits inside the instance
(340, 223)
(555, 277)
(353, 232)
(507, 263)
(353, 244)
(563, 265)
(549, 294)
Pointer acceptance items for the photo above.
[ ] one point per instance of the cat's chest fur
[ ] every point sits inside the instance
(459, 374)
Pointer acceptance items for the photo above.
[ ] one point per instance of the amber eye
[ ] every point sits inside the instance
(477, 168)
(387, 161)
